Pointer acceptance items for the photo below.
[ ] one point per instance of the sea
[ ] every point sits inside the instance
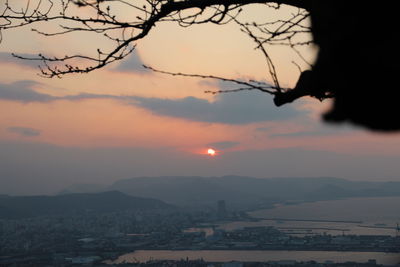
(360, 216)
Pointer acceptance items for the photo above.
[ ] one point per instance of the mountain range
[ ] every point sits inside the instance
(153, 193)
(240, 191)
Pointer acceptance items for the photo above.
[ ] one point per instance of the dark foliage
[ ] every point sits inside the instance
(111, 201)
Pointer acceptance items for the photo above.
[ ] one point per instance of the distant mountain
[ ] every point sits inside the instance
(83, 188)
(110, 201)
(238, 190)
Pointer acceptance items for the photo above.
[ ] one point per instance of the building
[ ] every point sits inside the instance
(221, 209)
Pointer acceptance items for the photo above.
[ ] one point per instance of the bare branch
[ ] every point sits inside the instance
(249, 85)
(100, 18)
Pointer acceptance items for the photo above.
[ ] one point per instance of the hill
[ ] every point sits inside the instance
(244, 191)
(83, 188)
(110, 201)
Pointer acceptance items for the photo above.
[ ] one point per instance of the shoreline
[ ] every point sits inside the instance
(257, 256)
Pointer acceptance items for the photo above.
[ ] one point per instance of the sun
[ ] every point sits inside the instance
(211, 152)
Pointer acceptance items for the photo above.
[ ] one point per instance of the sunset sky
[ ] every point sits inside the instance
(125, 121)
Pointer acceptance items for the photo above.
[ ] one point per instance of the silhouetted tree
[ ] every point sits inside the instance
(356, 63)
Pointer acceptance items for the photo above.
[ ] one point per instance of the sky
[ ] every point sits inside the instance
(125, 121)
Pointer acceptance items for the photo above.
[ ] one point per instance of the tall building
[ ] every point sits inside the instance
(221, 209)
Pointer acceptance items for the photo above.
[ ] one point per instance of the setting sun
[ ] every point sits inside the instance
(211, 152)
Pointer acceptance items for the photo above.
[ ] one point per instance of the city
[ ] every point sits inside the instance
(95, 239)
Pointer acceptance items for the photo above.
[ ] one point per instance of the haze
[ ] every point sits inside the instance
(125, 121)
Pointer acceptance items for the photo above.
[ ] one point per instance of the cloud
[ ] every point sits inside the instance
(229, 108)
(317, 130)
(263, 129)
(84, 96)
(133, 63)
(22, 91)
(24, 131)
(10, 59)
(304, 134)
(223, 144)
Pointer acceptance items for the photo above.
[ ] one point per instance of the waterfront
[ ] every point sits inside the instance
(257, 256)
(176, 235)
(358, 216)
(355, 216)
(368, 210)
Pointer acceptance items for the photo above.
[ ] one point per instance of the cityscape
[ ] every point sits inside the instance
(107, 239)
